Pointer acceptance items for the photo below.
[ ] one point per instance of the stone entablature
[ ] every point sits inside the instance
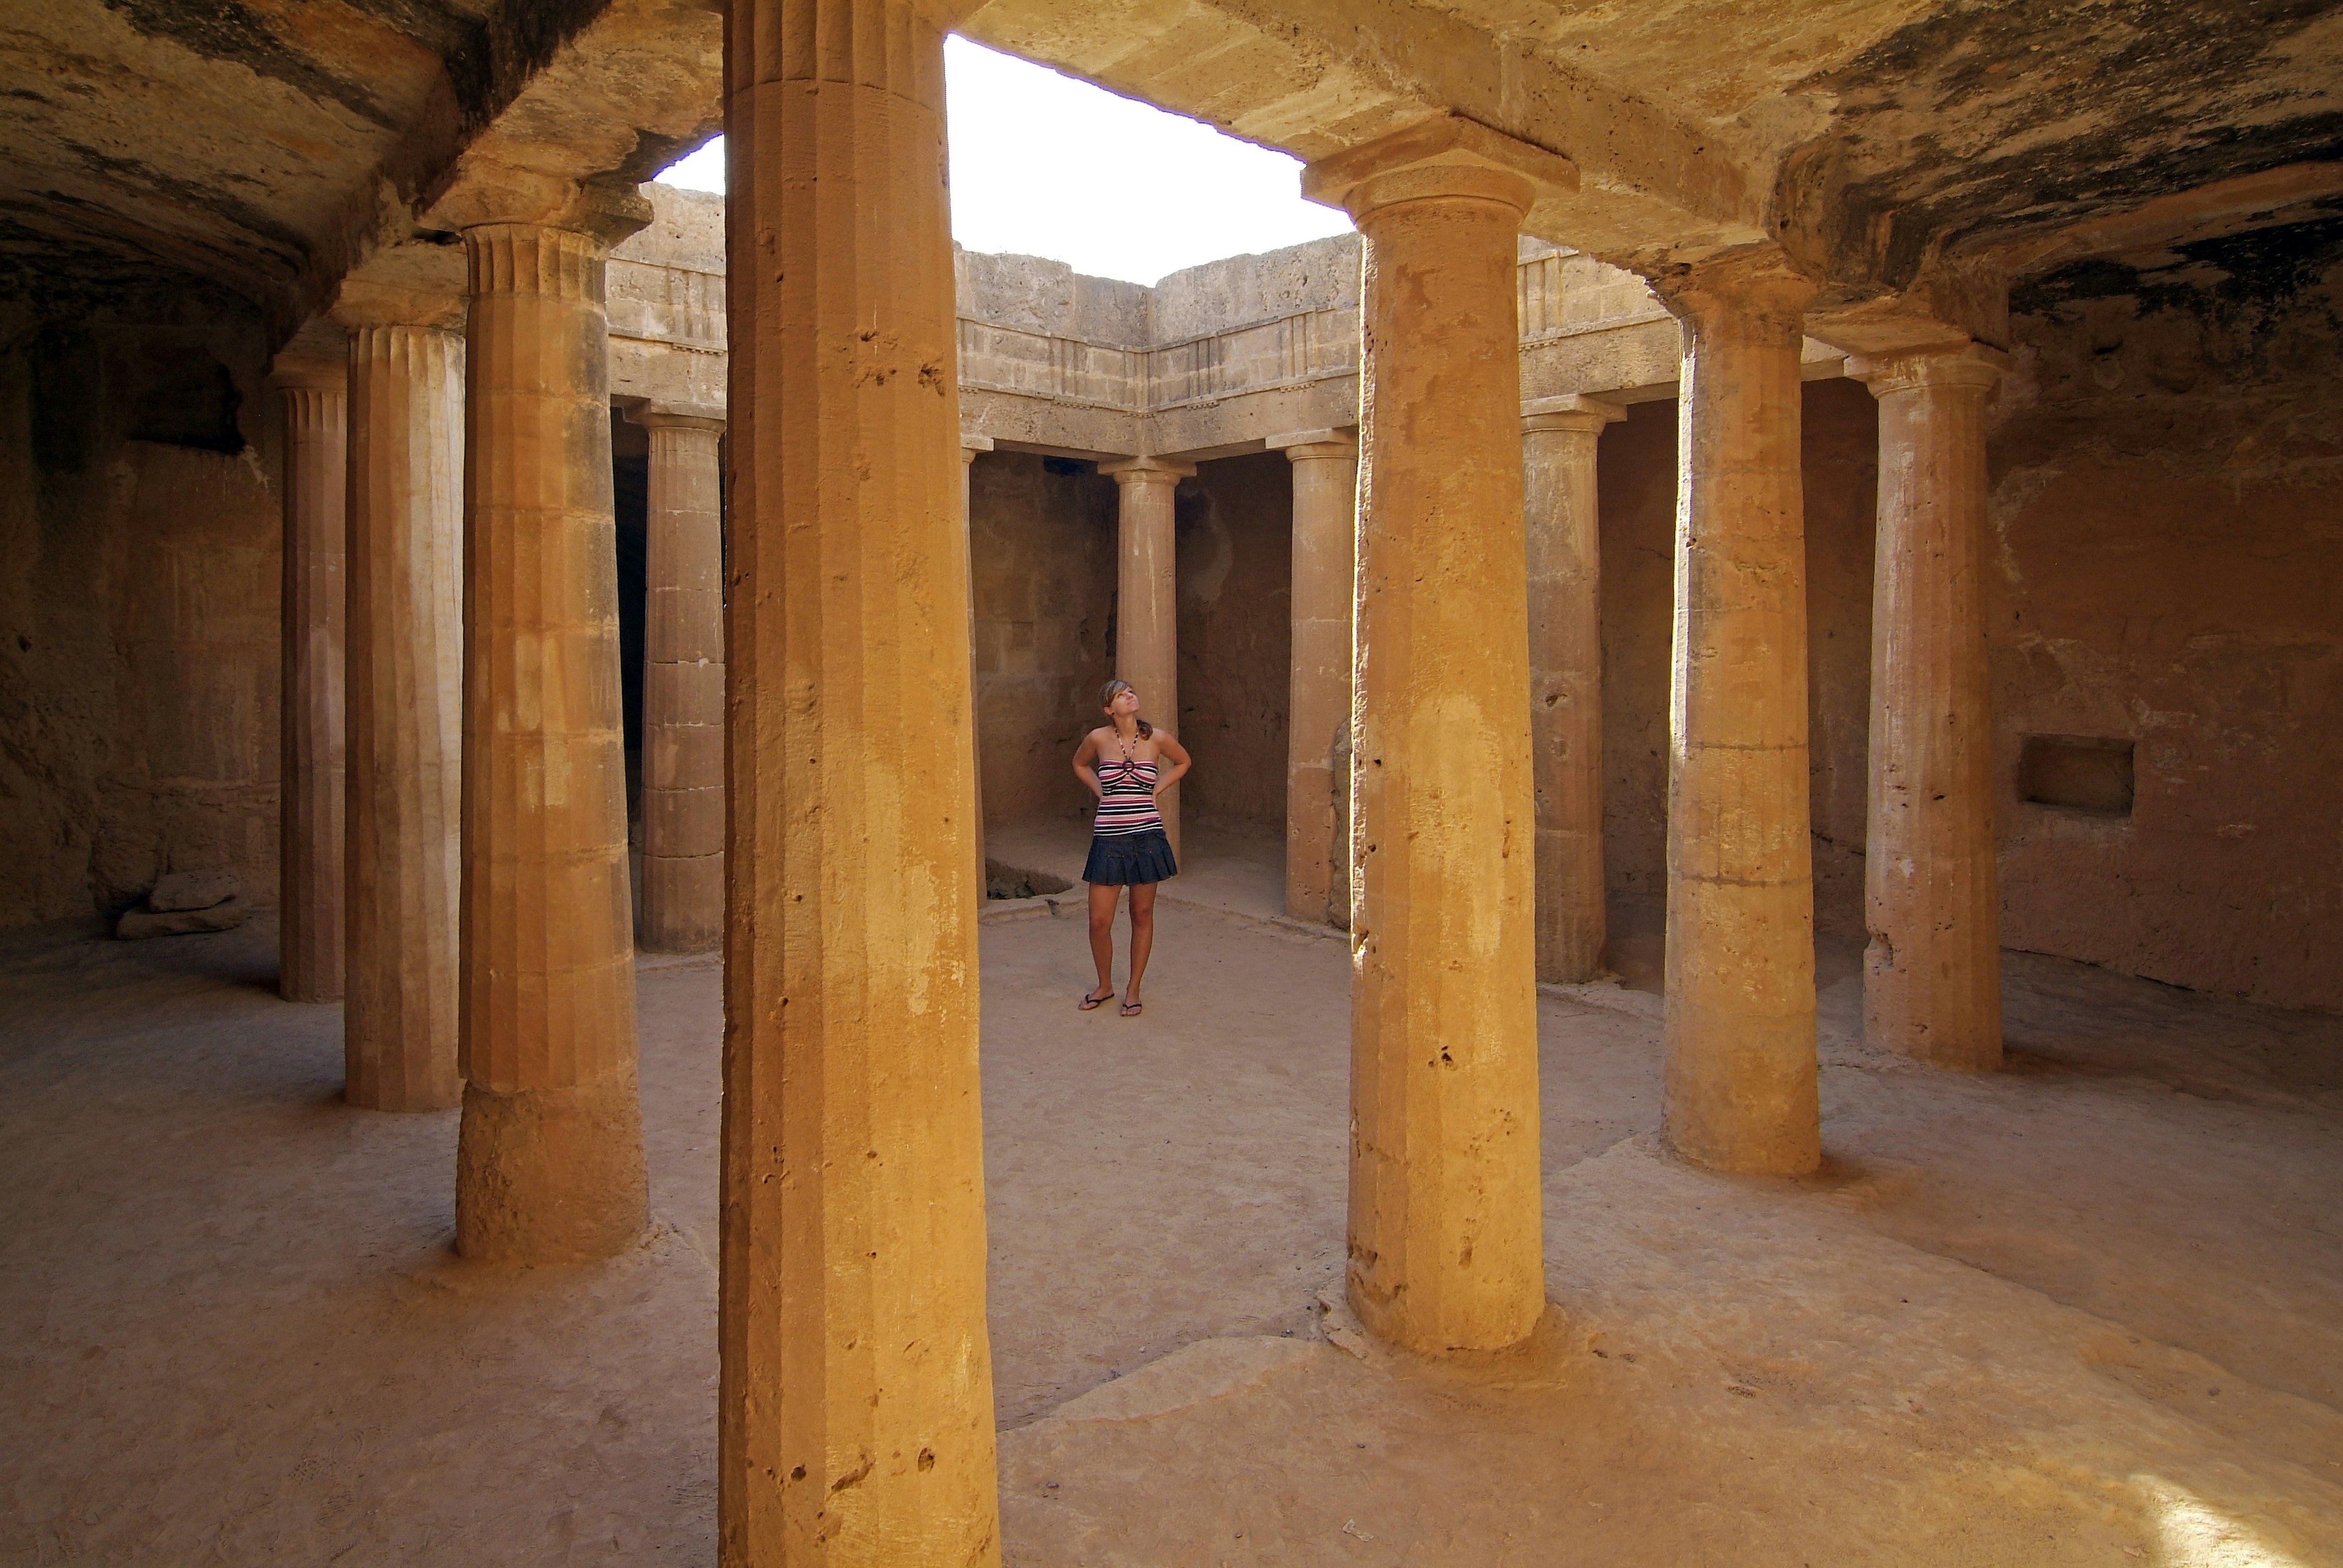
(667, 303)
(1211, 361)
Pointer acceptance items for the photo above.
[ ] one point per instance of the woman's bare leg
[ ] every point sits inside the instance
(1142, 934)
(1103, 898)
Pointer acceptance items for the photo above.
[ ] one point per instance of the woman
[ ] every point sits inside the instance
(1120, 761)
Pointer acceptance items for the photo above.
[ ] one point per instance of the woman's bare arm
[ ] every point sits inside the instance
(1083, 769)
(1167, 746)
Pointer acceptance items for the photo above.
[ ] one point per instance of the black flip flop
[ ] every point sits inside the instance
(1090, 1001)
(1131, 1009)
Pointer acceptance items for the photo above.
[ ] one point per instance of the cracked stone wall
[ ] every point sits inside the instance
(2168, 502)
(1636, 482)
(138, 614)
(2167, 567)
(1235, 525)
(1044, 541)
(2167, 571)
(1841, 442)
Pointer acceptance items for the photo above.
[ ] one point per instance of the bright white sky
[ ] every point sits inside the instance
(1043, 165)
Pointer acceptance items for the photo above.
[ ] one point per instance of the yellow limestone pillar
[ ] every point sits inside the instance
(1147, 598)
(855, 1419)
(683, 684)
(309, 822)
(407, 704)
(971, 447)
(1318, 692)
(1445, 1214)
(549, 1159)
(1931, 976)
(1740, 1073)
(1558, 442)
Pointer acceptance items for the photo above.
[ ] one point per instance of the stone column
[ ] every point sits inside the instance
(855, 1415)
(1147, 598)
(1932, 975)
(1318, 691)
(406, 707)
(1446, 1249)
(1558, 440)
(550, 1161)
(309, 820)
(971, 447)
(1739, 1031)
(683, 684)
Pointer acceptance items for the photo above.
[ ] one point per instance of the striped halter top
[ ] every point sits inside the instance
(1126, 798)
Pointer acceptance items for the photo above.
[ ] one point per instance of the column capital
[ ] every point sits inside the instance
(1447, 157)
(300, 373)
(604, 209)
(1756, 284)
(1571, 411)
(1951, 301)
(365, 302)
(1140, 471)
(1301, 445)
(1964, 365)
(678, 417)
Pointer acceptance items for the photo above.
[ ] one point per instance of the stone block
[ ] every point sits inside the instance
(186, 890)
(137, 924)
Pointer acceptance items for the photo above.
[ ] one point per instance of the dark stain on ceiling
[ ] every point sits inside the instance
(1938, 140)
(229, 31)
(2234, 280)
(93, 213)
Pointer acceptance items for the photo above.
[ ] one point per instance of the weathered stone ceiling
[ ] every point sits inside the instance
(267, 146)
(1975, 126)
(151, 137)
(1863, 134)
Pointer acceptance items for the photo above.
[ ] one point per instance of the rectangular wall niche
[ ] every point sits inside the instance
(2078, 773)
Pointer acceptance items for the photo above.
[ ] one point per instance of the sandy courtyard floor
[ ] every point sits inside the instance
(2088, 1311)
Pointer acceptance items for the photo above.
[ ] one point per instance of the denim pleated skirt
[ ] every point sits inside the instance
(1121, 860)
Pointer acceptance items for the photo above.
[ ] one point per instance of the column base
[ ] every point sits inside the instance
(1490, 1326)
(1957, 1027)
(1740, 1094)
(551, 1175)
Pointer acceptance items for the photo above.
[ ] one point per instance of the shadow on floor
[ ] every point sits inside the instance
(2077, 1312)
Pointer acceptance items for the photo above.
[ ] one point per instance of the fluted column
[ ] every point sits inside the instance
(310, 821)
(855, 1416)
(1147, 596)
(683, 684)
(971, 447)
(406, 714)
(1445, 1248)
(1739, 1032)
(1318, 691)
(550, 1161)
(1558, 443)
(1932, 974)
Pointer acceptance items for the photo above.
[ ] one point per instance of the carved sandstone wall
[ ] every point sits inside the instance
(139, 616)
(2168, 508)
(2169, 567)
(1637, 481)
(2166, 569)
(1043, 555)
(1236, 624)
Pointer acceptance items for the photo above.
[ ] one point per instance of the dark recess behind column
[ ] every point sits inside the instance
(630, 496)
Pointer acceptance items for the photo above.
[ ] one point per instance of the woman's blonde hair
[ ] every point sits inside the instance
(1106, 700)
